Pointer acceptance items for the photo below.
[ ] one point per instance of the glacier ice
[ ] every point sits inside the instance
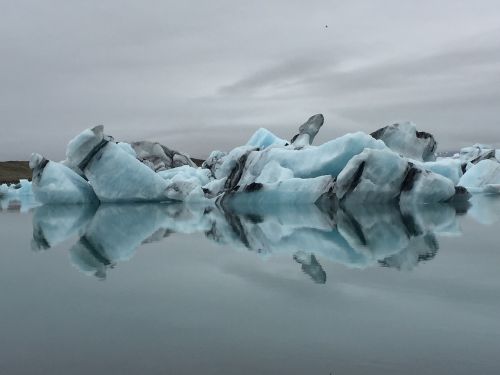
(22, 188)
(307, 131)
(483, 177)
(395, 163)
(404, 139)
(114, 174)
(447, 167)
(474, 154)
(159, 157)
(359, 200)
(56, 183)
(372, 176)
(18, 196)
(264, 138)
(379, 176)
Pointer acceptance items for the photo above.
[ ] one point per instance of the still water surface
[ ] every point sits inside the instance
(150, 289)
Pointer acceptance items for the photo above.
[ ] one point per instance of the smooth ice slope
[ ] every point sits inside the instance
(404, 139)
(483, 177)
(264, 138)
(56, 183)
(114, 173)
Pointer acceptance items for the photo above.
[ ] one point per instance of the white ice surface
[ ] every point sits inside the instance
(289, 191)
(264, 138)
(117, 176)
(447, 167)
(402, 139)
(185, 183)
(483, 177)
(59, 184)
(383, 172)
(428, 188)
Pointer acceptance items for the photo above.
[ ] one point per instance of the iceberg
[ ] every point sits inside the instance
(483, 177)
(396, 163)
(474, 154)
(380, 176)
(114, 174)
(446, 167)
(404, 139)
(159, 157)
(56, 183)
(263, 138)
(18, 196)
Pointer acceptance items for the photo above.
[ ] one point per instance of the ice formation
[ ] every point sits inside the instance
(56, 183)
(483, 177)
(159, 157)
(395, 164)
(404, 139)
(472, 155)
(307, 131)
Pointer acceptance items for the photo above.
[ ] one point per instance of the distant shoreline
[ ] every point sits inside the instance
(13, 171)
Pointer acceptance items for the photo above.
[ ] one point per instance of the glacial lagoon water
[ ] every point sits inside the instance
(171, 289)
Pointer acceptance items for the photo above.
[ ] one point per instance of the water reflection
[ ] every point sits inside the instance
(356, 236)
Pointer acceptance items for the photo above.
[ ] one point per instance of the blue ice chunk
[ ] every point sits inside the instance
(264, 138)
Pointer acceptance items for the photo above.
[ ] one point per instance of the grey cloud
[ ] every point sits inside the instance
(178, 72)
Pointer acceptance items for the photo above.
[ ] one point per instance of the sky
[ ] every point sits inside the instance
(204, 75)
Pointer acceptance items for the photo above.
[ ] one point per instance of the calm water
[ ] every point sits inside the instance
(155, 289)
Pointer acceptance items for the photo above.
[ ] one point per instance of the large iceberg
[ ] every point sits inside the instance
(396, 163)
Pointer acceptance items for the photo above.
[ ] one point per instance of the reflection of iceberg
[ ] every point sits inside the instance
(310, 266)
(53, 224)
(354, 236)
(485, 209)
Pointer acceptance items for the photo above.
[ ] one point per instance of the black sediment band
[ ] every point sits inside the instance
(83, 164)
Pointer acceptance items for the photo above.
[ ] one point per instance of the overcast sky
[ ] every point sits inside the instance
(203, 75)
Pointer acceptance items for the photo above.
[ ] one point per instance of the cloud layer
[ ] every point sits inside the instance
(199, 76)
